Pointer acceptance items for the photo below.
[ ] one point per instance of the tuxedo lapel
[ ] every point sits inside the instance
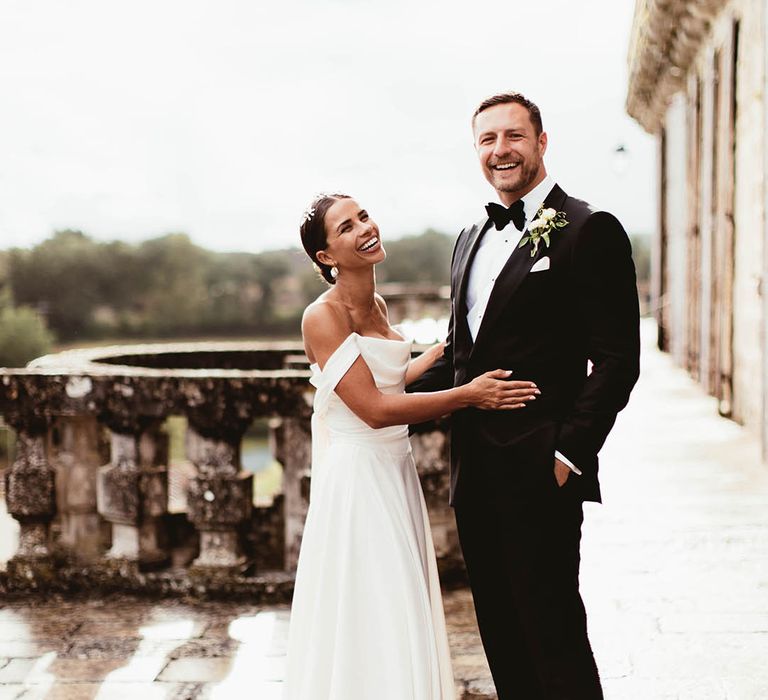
(513, 273)
(462, 336)
(465, 264)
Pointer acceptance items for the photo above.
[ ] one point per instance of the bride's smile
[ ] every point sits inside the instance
(370, 246)
(351, 235)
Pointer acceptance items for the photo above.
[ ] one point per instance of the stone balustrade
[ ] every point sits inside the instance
(89, 483)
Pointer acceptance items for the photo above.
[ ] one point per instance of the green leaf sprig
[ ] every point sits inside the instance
(544, 223)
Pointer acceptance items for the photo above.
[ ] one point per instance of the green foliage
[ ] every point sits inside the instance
(23, 336)
(61, 277)
(425, 258)
(174, 285)
(7, 446)
(641, 254)
(23, 332)
(5, 285)
(169, 287)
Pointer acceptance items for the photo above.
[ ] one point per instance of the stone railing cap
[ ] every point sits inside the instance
(100, 361)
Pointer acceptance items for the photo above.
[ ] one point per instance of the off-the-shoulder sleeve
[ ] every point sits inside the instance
(400, 329)
(336, 367)
(325, 382)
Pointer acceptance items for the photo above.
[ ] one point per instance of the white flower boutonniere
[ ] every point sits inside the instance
(544, 223)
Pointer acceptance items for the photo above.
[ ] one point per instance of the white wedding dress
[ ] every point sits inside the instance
(367, 618)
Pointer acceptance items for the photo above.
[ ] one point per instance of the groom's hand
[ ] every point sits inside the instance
(562, 472)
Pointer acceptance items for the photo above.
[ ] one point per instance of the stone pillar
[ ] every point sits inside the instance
(132, 494)
(219, 498)
(118, 496)
(154, 447)
(30, 493)
(77, 457)
(293, 449)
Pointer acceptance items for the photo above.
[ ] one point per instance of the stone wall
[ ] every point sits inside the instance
(676, 221)
(748, 322)
(712, 174)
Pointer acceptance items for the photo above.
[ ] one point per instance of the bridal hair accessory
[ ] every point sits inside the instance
(334, 272)
(544, 223)
(309, 212)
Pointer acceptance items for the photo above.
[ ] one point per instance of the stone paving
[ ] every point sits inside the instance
(675, 562)
(674, 575)
(129, 648)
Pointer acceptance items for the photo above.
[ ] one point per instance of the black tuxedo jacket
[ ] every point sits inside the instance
(546, 326)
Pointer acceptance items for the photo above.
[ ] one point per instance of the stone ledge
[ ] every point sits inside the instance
(219, 355)
(64, 576)
(666, 35)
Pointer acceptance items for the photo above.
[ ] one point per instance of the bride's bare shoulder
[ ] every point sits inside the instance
(325, 311)
(325, 324)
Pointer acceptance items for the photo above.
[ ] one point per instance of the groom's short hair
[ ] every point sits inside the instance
(504, 98)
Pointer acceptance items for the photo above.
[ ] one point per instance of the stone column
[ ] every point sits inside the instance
(77, 456)
(30, 493)
(293, 449)
(154, 446)
(132, 493)
(219, 497)
(118, 496)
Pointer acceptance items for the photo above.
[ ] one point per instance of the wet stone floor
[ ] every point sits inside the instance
(147, 650)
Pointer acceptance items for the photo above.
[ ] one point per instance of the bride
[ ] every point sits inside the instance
(367, 617)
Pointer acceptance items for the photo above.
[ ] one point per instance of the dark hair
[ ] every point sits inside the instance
(312, 230)
(504, 98)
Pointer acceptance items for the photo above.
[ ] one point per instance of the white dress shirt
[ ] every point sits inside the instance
(492, 254)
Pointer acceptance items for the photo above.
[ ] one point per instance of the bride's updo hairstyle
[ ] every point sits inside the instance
(312, 229)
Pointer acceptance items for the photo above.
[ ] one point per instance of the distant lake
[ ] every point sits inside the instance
(256, 455)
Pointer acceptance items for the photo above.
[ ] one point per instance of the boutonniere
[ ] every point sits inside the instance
(544, 223)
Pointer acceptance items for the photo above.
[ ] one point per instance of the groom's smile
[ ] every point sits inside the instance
(510, 150)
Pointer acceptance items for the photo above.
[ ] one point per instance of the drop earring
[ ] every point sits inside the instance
(334, 272)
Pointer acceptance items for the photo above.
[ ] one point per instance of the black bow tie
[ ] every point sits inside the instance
(501, 216)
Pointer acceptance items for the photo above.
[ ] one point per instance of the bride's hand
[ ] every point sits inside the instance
(493, 391)
(435, 352)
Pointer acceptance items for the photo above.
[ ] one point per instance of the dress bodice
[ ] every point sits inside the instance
(388, 361)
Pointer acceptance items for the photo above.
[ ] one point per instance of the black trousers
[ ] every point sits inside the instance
(520, 534)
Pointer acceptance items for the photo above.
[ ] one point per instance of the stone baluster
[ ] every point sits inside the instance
(219, 497)
(118, 495)
(154, 448)
(77, 453)
(292, 448)
(132, 491)
(30, 493)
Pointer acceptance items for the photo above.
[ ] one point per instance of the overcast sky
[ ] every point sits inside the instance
(222, 119)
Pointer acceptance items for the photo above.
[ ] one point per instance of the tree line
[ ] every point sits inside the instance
(73, 289)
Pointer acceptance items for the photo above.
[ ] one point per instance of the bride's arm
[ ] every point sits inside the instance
(419, 365)
(324, 331)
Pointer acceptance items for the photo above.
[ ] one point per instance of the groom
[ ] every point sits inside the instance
(541, 285)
